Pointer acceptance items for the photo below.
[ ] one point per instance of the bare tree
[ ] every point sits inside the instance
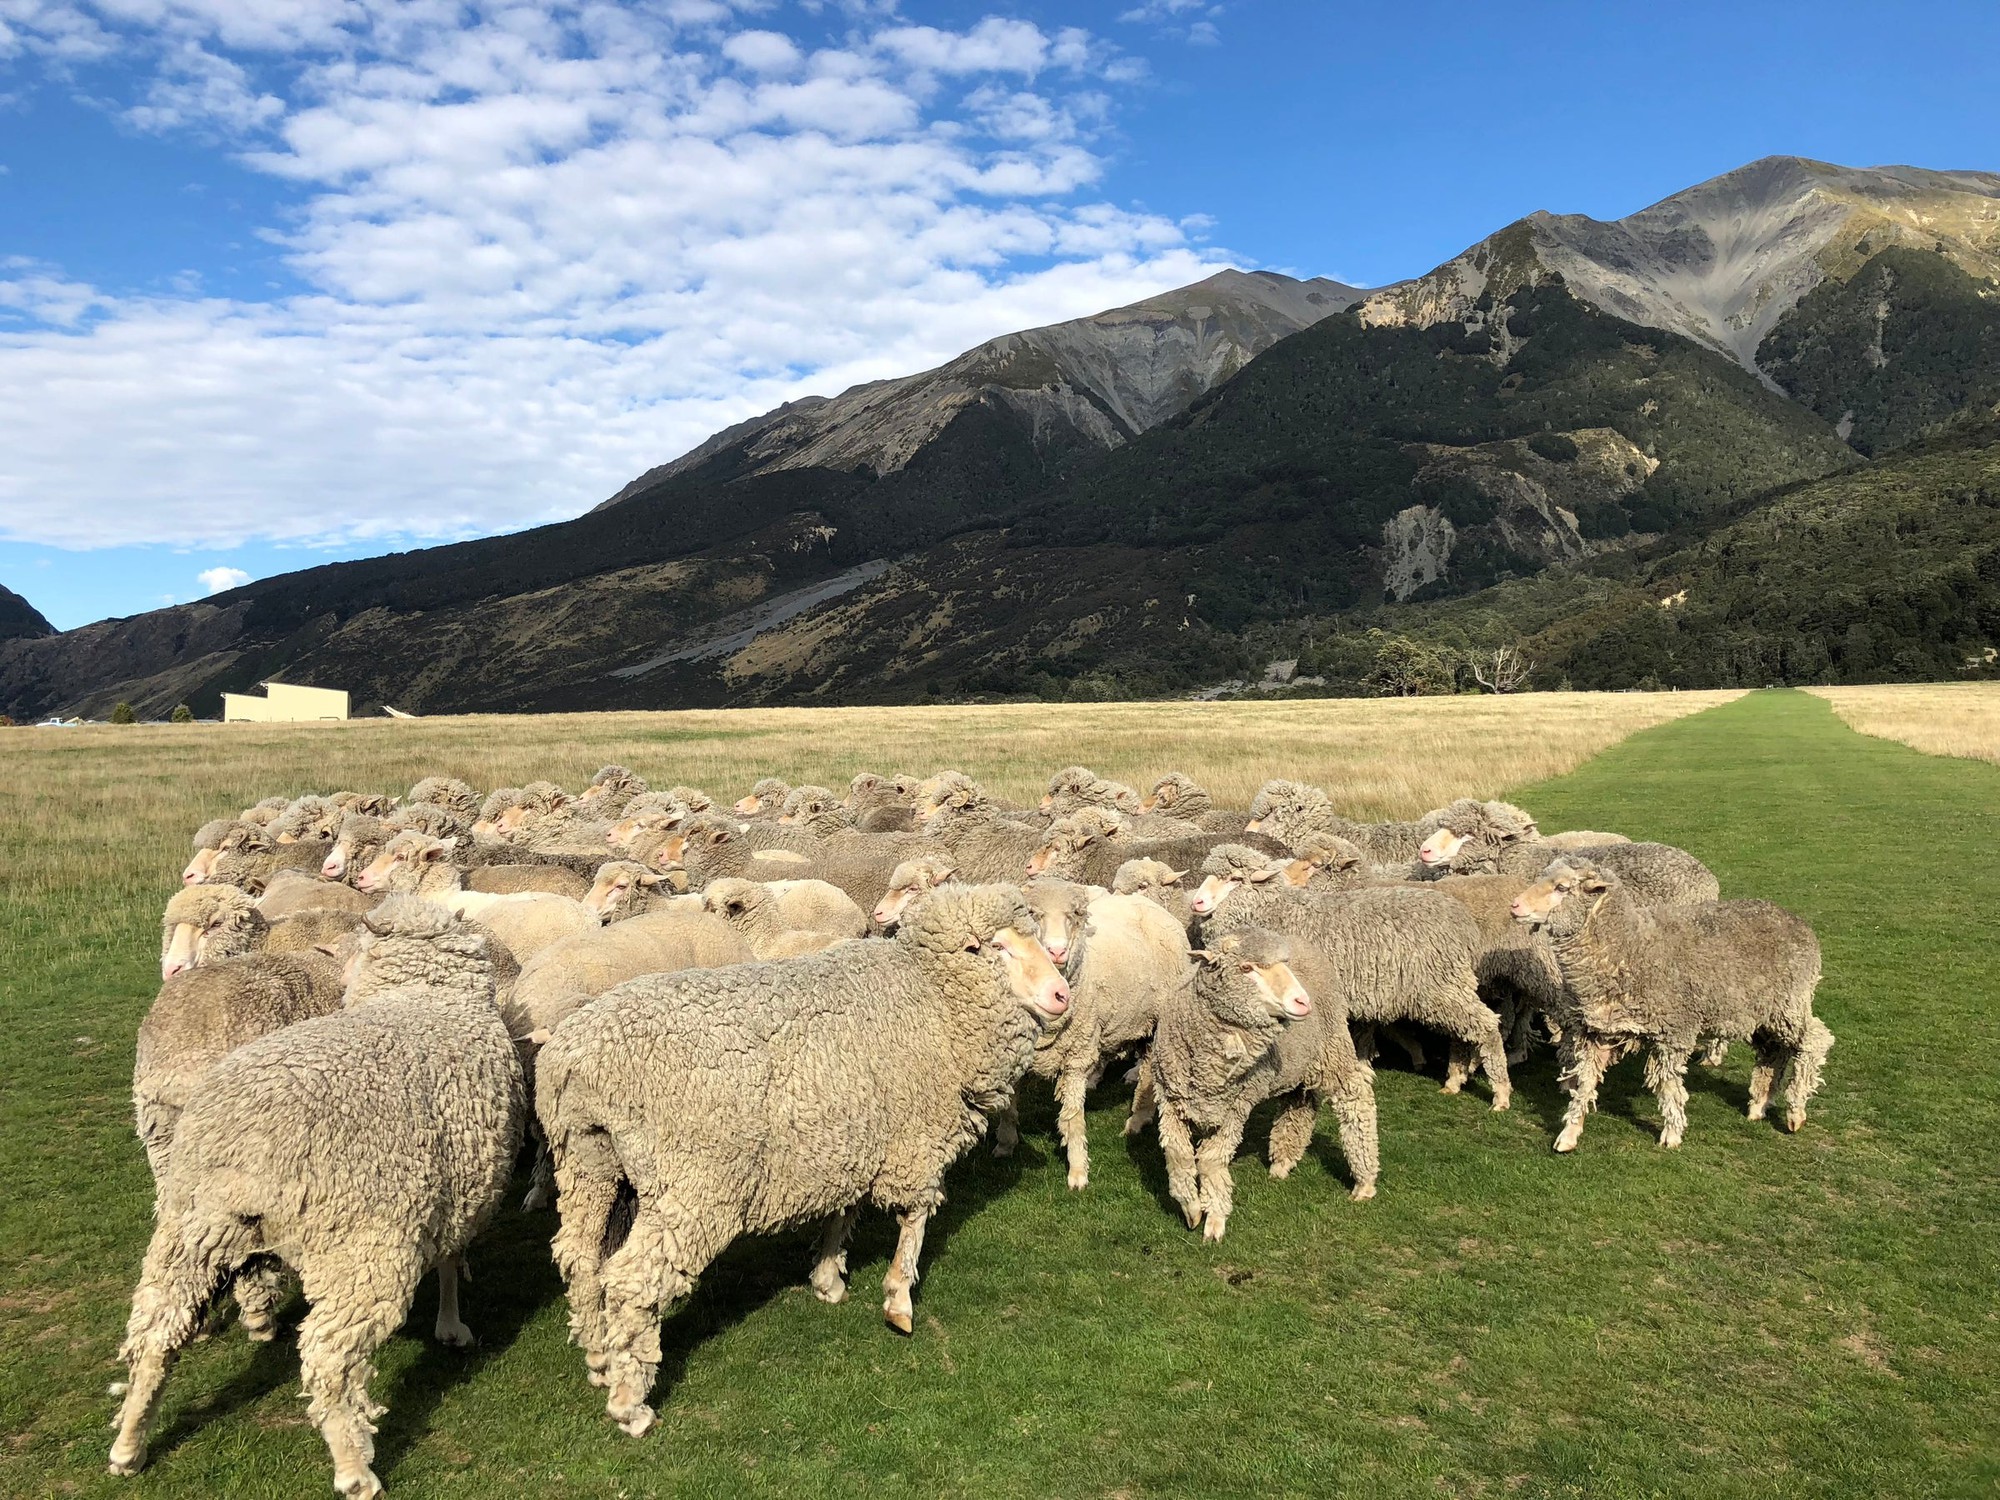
(1504, 672)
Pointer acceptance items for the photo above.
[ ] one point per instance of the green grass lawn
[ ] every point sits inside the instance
(1754, 1314)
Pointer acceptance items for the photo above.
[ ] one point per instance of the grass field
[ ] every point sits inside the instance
(1753, 1314)
(1939, 718)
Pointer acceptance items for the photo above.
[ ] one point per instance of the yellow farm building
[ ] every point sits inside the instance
(284, 704)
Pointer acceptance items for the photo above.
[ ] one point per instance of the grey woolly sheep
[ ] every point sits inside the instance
(711, 848)
(1253, 1027)
(609, 792)
(1124, 958)
(956, 788)
(447, 792)
(755, 1098)
(1668, 976)
(520, 880)
(499, 801)
(1160, 883)
(309, 819)
(566, 974)
(1399, 953)
(968, 826)
(249, 860)
(1289, 810)
(358, 840)
(207, 840)
(1090, 845)
(770, 916)
(765, 800)
(909, 880)
(1076, 787)
(203, 923)
(305, 931)
(428, 817)
(360, 1149)
(1497, 838)
(369, 804)
(877, 805)
(625, 888)
(816, 810)
(1179, 795)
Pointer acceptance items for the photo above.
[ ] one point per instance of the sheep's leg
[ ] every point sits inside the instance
(1412, 1044)
(587, 1178)
(259, 1289)
(1145, 1102)
(1583, 1063)
(1365, 1046)
(1218, 1187)
(653, 1269)
(541, 1179)
(902, 1274)
(1070, 1089)
(1182, 1182)
(450, 1329)
(1802, 1073)
(1770, 1058)
(1469, 1021)
(1666, 1076)
(358, 1300)
(1715, 1053)
(1351, 1097)
(1292, 1132)
(1006, 1128)
(166, 1311)
(829, 1272)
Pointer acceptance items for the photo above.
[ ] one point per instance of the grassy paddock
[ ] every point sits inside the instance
(1753, 1314)
(1938, 718)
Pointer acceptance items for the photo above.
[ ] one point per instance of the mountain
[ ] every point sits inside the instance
(1530, 443)
(1723, 262)
(19, 618)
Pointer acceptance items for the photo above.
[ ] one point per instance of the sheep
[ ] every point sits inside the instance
(955, 788)
(1178, 795)
(967, 825)
(1288, 810)
(878, 805)
(754, 1098)
(265, 812)
(1090, 845)
(319, 928)
(816, 810)
(207, 922)
(710, 848)
(909, 880)
(1670, 975)
(1401, 953)
(764, 800)
(625, 888)
(498, 801)
(1076, 787)
(428, 817)
(447, 792)
(413, 864)
(609, 792)
(565, 975)
(208, 840)
(358, 840)
(658, 812)
(775, 917)
(309, 819)
(361, 1148)
(206, 1007)
(1497, 838)
(1124, 958)
(1326, 861)
(517, 880)
(1260, 1021)
(248, 858)
(369, 804)
(1159, 883)
(291, 892)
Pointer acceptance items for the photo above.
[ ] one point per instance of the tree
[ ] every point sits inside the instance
(183, 714)
(1503, 671)
(1406, 668)
(123, 714)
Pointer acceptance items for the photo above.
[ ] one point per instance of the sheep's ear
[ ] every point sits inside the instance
(1177, 876)
(1593, 880)
(437, 851)
(1203, 955)
(326, 948)
(1258, 877)
(647, 877)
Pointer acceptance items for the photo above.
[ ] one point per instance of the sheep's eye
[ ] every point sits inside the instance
(974, 946)
(1246, 968)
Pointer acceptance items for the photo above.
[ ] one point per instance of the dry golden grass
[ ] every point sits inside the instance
(1938, 718)
(95, 819)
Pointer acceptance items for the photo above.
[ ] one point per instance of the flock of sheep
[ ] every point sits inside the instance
(710, 1022)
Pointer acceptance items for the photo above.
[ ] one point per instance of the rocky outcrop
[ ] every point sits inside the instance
(19, 619)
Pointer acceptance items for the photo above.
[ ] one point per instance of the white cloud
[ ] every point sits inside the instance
(546, 248)
(1190, 20)
(221, 580)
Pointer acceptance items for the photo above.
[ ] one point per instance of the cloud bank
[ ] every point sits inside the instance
(543, 248)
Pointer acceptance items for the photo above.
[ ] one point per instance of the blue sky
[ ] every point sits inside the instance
(289, 280)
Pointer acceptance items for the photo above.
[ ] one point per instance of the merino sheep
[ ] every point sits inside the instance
(265, 812)
(566, 974)
(447, 792)
(609, 791)
(248, 859)
(967, 825)
(1160, 883)
(1497, 838)
(759, 1097)
(710, 848)
(519, 880)
(625, 888)
(1089, 846)
(1399, 953)
(361, 1149)
(1668, 976)
(208, 840)
(413, 864)
(909, 880)
(816, 810)
(308, 820)
(203, 923)
(1289, 810)
(428, 817)
(356, 842)
(1076, 787)
(1124, 958)
(1252, 1027)
(765, 800)
(1179, 795)
(305, 931)
(878, 804)
(773, 918)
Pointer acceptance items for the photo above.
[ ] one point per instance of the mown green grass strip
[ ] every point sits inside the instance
(1753, 1314)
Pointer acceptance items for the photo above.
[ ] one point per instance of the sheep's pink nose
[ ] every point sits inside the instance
(172, 967)
(1058, 951)
(879, 916)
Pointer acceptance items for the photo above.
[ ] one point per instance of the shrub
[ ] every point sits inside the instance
(1556, 447)
(183, 714)
(123, 714)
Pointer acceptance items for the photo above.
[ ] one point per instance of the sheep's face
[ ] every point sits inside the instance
(221, 932)
(737, 902)
(1030, 972)
(911, 879)
(400, 865)
(750, 806)
(1442, 847)
(1248, 981)
(200, 868)
(1274, 988)
(1216, 888)
(1557, 884)
(617, 887)
(346, 850)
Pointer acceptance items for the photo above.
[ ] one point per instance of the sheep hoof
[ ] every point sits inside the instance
(261, 1333)
(1362, 1192)
(1079, 1179)
(535, 1200)
(455, 1335)
(118, 1388)
(1670, 1142)
(636, 1422)
(1502, 1101)
(1794, 1121)
(830, 1289)
(1566, 1142)
(125, 1462)
(1134, 1125)
(1281, 1169)
(1452, 1086)
(1003, 1148)
(1215, 1228)
(898, 1319)
(1193, 1217)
